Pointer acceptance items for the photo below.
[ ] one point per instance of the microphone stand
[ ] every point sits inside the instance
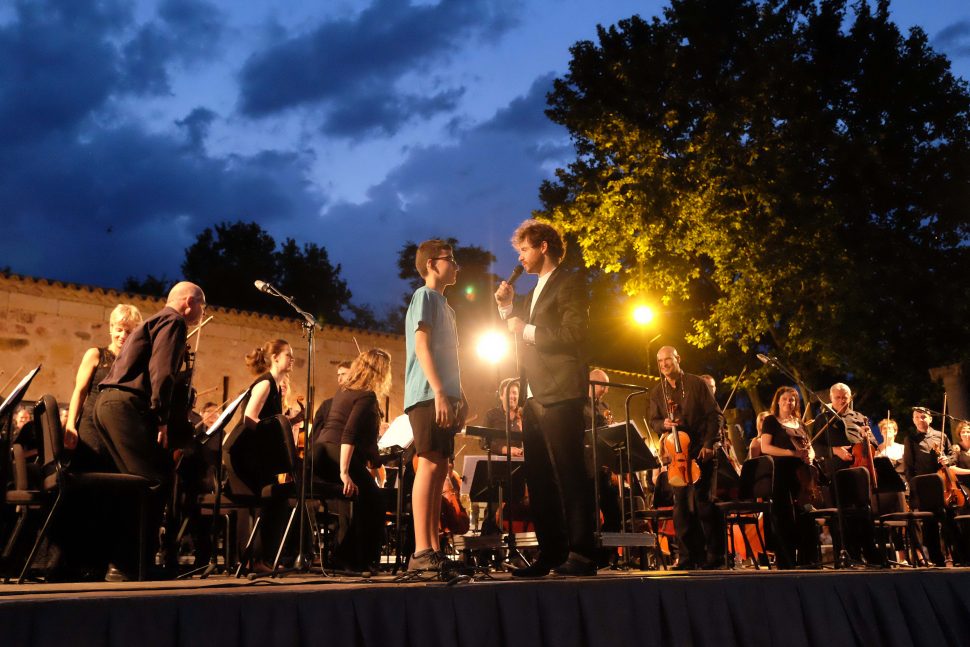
(303, 562)
(842, 557)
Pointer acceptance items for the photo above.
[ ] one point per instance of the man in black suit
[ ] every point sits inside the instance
(550, 322)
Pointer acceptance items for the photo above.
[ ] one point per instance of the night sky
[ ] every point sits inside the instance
(127, 127)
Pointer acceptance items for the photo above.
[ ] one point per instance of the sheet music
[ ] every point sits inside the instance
(16, 394)
(398, 433)
(227, 413)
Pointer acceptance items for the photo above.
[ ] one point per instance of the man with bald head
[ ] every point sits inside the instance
(132, 412)
(684, 402)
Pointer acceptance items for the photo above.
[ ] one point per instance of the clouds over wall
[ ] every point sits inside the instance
(354, 72)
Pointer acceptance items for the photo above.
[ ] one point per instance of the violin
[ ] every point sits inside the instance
(808, 473)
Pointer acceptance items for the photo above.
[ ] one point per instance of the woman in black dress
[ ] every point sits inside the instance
(343, 450)
(785, 437)
(271, 363)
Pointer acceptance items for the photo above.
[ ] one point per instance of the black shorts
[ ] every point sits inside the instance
(428, 436)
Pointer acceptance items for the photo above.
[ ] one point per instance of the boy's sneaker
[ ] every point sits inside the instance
(426, 560)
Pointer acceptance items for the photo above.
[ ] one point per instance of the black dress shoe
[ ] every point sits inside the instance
(537, 569)
(577, 566)
(684, 566)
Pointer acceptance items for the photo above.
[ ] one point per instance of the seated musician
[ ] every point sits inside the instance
(784, 436)
(345, 447)
(962, 455)
(495, 417)
(754, 449)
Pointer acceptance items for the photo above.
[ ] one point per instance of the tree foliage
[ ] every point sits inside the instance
(227, 259)
(795, 175)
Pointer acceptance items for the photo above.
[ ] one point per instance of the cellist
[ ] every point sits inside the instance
(683, 402)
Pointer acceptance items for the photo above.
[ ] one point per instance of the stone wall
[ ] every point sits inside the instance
(53, 324)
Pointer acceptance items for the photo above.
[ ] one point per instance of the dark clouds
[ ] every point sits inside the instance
(88, 193)
(350, 69)
(954, 39)
(476, 190)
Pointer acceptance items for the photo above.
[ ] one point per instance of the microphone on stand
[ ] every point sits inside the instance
(766, 359)
(514, 276)
(263, 286)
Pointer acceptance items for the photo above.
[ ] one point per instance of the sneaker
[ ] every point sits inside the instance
(426, 560)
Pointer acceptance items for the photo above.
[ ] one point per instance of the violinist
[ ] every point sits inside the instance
(962, 452)
(132, 411)
(683, 402)
(921, 455)
(603, 415)
(342, 450)
(495, 417)
(270, 364)
(785, 437)
(848, 423)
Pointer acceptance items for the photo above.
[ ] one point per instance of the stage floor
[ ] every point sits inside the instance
(745, 607)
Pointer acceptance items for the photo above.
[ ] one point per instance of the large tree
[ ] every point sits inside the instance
(795, 175)
(227, 259)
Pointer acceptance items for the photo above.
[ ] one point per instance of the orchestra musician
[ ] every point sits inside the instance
(550, 325)
(754, 449)
(684, 402)
(921, 455)
(345, 447)
(132, 412)
(80, 434)
(785, 437)
(890, 448)
(496, 416)
(270, 364)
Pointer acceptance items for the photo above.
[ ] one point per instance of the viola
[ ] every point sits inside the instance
(856, 424)
(682, 470)
(954, 493)
(808, 473)
(454, 517)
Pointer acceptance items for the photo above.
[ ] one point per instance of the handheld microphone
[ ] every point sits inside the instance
(263, 286)
(514, 276)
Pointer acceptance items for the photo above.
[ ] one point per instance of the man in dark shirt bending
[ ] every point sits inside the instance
(132, 412)
(684, 401)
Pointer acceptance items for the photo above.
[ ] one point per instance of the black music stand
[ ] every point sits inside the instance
(613, 453)
(11, 401)
(217, 431)
(483, 482)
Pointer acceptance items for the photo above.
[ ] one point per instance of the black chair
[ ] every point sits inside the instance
(59, 480)
(928, 497)
(256, 458)
(752, 506)
(21, 496)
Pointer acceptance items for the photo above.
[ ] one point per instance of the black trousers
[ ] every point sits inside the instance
(698, 523)
(560, 487)
(130, 434)
(360, 535)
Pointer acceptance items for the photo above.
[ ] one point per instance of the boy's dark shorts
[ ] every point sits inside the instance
(428, 436)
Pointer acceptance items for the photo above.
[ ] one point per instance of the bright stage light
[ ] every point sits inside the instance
(492, 346)
(642, 314)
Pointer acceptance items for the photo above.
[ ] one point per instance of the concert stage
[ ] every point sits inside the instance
(835, 609)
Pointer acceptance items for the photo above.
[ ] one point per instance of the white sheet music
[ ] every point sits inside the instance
(18, 390)
(398, 433)
(226, 414)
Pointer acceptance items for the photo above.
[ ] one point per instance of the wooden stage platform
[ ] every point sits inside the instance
(745, 608)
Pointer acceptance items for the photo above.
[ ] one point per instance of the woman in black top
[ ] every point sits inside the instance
(80, 434)
(270, 363)
(343, 449)
(785, 437)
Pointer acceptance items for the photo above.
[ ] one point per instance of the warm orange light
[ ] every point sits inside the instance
(492, 346)
(642, 314)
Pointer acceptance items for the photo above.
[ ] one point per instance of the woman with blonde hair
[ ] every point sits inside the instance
(80, 433)
(342, 451)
